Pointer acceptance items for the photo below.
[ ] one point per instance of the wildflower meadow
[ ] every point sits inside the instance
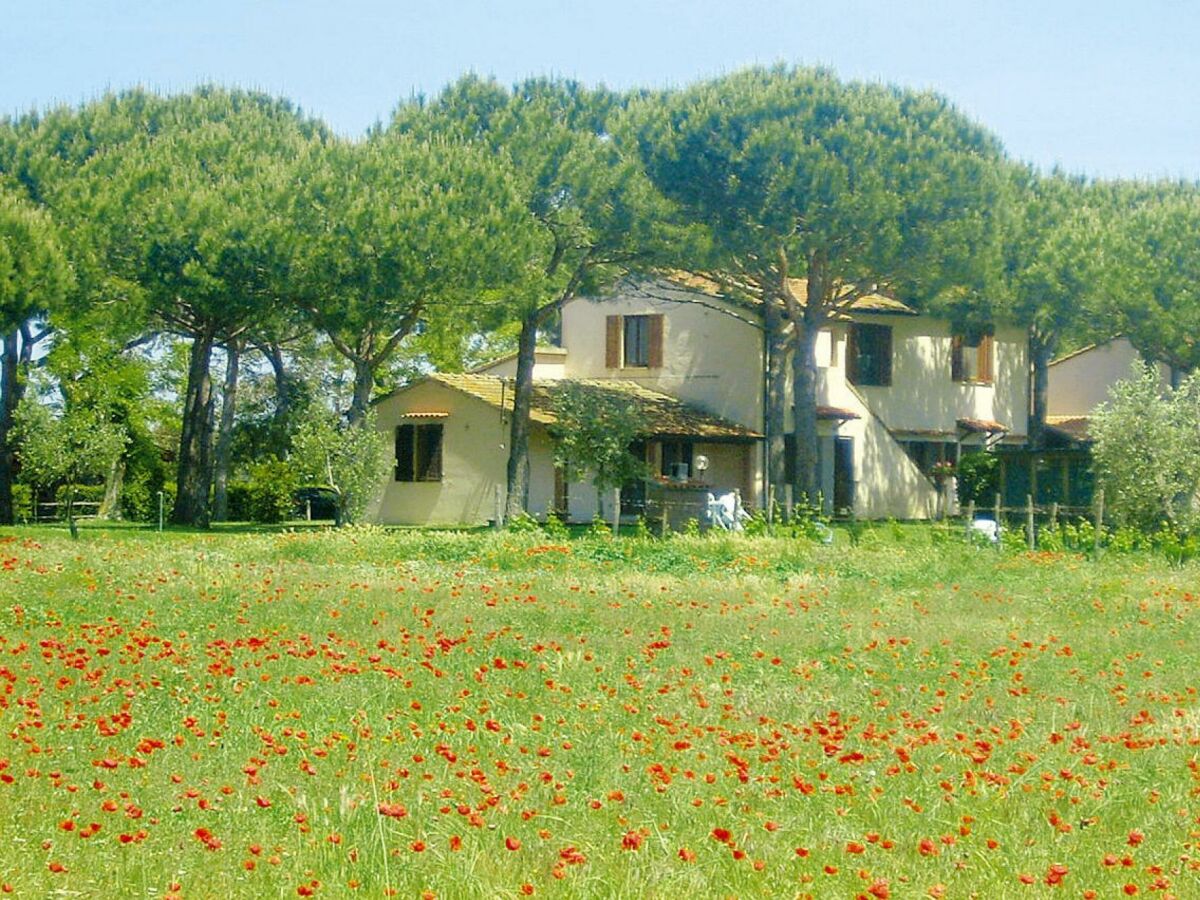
(367, 713)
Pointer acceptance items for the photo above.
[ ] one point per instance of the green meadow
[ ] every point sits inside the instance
(401, 713)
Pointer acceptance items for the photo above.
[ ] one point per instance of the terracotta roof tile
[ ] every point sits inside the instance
(670, 415)
(1073, 427)
(872, 303)
(986, 426)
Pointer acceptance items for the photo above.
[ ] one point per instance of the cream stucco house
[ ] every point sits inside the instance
(898, 392)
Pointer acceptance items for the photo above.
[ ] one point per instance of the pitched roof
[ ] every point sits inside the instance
(539, 351)
(1074, 428)
(669, 415)
(872, 303)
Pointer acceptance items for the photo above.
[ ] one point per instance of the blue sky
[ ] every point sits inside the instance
(1106, 87)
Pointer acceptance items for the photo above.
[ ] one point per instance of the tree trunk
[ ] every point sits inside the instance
(364, 381)
(114, 483)
(517, 501)
(193, 477)
(221, 458)
(10, 396)
(283, 390)
(1041, 349)
(806, 446)
(775, 410)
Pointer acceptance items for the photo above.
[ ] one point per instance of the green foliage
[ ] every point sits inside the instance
(978, 478)
(1153, 276)
(598, 528)
(1147, 453)
(593, 430)
(83, 493)
(349, 459)
(34, 272)
(524, 523)
(66, 447)
(270, 492)
(400, 233)
(555, 528)
(22, 502)
(70, 447)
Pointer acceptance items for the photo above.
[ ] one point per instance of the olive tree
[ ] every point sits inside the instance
(77, 443)
(348, 458)
(1147, 452)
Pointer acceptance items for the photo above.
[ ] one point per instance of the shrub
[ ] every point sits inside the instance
(556, 528)
(270, 492)
(524, 523)
(978, 478)
(238, 495)
(22, 501)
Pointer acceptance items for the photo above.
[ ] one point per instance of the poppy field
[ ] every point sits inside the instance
(374, 714)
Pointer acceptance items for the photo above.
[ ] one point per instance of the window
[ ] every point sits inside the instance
(634, 342)
(637, 341)
(971, 363)
(926, 454)
(675, 452)
(869, 354)
(419, 452)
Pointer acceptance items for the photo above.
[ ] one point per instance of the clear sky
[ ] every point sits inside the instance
(1104, 87)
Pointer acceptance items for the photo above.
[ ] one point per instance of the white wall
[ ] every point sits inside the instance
(710, 359)
(922, 395)
(549, 364)
(714, 361)
(474, 461)
(1079, 383)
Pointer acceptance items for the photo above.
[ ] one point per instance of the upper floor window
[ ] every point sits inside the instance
(637, 341)
(869, 354)
(419, 451)
(634, 342)
(971, 359)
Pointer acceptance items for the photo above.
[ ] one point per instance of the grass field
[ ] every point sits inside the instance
(374, 714)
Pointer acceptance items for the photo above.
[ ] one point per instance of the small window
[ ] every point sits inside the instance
(634, 342)
(637, 341)
(869, 354)
(971, 359)
(675, 453)
(419, 452)
(927, 454)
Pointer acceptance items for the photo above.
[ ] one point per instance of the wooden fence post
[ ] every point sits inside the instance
(999, 527)
(1030, 533)
(1099, 521)
(970, 517)
(1054, 516)
(498, 508)
(616, 511)
(770, 504)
